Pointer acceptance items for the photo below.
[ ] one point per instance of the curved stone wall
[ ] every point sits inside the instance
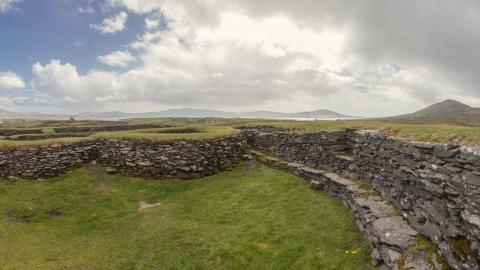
(435, 186)
(180, 159)
(395, 243)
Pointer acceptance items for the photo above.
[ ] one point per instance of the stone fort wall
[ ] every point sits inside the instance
(180, 159)
(435, 186)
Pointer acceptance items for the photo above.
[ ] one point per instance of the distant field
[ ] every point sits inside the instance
(207, 128)
(253, 217)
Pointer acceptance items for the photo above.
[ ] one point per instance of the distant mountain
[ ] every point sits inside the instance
(318, 114)
(448, 111)
(444, 109)
(188, 112)
(185, 112)
(4, 114)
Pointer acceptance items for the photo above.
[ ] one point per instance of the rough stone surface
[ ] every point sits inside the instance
(394, 231)
(180, 159)
(436, 187)
(389, 233)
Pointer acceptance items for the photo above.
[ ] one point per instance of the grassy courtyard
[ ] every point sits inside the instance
(253, 217)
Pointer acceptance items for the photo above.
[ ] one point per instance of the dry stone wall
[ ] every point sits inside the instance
(396, 244)
(435, 186)
(180, 159)
(45, 161)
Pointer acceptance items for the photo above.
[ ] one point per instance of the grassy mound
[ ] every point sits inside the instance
(250, 218)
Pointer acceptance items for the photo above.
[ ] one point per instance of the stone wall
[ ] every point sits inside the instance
(11, 132)
(435, 186)
(180, 159)
(330, 150)
(107, 128)
(45, 161)
(395, 244)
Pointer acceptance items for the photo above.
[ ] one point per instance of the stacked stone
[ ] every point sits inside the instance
(107, 128)
(45, 161)
(393, 240)
(436, 186)
(180, 159)
(330, 150)
(11, 132)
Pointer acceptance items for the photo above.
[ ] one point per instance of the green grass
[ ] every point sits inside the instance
(249, 218)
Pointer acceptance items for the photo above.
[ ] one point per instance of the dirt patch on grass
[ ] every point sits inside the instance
(54, 212)
(97, 174)
(21, 216)
(250, 167)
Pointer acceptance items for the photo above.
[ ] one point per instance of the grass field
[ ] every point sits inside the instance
(216, 127)
(250, 218)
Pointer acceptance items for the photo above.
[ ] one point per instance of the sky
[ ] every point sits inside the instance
(365, 58)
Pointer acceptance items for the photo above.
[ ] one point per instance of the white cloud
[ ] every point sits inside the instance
(270, 50)
(271, 54)
(6, 5)
(86, 10)
(112, 25)
(117, 59)
(137, 6)
(217, 75)
(70, 99)
(151, 24)
(10, 80)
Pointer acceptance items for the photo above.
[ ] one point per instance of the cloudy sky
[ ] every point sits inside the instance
(369, 57)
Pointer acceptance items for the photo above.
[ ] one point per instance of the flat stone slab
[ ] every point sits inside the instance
(395, 231)
(379, 209)
(347, 158)
(294, 165)
(339, 180)
(313, 171)
(270, 159)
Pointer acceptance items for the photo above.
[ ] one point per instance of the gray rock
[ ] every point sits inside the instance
(339, 180)
(446, 151)
(472, 179)
(471, 218)
(394, 231)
